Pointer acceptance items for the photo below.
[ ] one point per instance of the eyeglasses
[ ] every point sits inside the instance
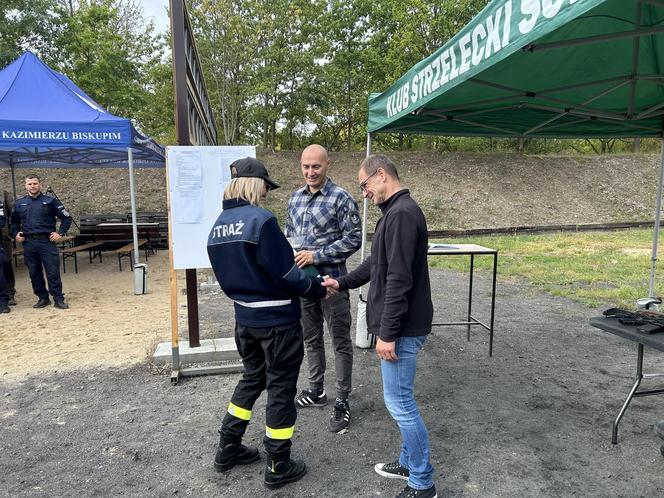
(363, 185)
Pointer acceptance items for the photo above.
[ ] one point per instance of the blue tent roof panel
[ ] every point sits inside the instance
(45, 119)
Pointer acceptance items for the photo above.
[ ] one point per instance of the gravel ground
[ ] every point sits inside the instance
(533, 420)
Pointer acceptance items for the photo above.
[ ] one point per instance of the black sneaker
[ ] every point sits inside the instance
(234, 454)
(4, 309)
(340, 416)
(309, 397)
(409, 492)
(392, 470)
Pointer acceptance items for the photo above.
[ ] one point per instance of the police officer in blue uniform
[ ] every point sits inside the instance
(255, 267)
(4, 296)
(33, 224)
(6, 244)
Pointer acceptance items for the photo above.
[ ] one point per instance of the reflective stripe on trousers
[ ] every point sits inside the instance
(285, 433)
(239, 412)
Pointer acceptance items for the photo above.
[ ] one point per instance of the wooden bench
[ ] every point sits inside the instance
(65, 241)
(127, 251)
(93, 248)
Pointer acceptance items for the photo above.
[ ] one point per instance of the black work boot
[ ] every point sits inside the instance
(281, 470)
(60, 303)
(42, 303)
(12, 297)
(229, 454)
(4, 308)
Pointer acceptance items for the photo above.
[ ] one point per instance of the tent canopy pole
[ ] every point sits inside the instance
(132, 193)
(365, 207)
(363, 339)
(658, 212)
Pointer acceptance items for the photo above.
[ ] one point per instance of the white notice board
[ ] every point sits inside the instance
(197, 177)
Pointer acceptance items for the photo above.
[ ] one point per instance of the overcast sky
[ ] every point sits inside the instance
(157, 10)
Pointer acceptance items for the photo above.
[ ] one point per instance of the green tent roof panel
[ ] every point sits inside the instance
(538, 68)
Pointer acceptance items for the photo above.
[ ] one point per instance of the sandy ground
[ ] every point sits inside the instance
(106, 324)
(83, 413)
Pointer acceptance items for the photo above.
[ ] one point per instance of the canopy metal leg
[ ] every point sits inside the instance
(362, 337)
(655, 238)
(132, 193)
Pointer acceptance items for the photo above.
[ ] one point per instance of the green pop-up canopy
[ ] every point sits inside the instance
(539, 68)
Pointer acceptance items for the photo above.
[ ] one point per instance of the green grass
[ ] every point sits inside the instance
(594, 268)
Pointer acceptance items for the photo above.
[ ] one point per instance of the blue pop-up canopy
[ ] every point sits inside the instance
(46, 121)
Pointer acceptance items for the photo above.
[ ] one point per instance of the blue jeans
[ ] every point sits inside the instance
(398, 386)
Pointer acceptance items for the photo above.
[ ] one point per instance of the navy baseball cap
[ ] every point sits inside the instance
(252, 168)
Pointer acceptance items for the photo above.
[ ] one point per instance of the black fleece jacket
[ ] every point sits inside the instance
(399, 299)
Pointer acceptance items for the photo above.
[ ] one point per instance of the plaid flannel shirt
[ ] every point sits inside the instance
(329, 222)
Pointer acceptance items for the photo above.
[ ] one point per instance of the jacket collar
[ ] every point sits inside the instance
(39, 196)
(385, 206)
(233, 203)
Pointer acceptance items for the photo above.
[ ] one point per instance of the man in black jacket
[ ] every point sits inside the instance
(399, 314)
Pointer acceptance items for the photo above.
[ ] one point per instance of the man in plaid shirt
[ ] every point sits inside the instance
(324, 227)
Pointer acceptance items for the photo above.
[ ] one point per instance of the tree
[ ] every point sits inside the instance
(157, 117)
(226, 48)
(343, 76)
(286, 72)
(285, 36)
(24, 25)
(109, 50)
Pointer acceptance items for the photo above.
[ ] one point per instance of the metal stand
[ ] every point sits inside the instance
(634, 393)
(471, 321)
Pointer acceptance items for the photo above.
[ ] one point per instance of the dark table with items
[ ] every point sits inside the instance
(643, 335)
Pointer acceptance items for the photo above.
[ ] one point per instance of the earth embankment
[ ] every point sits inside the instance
(456, 191)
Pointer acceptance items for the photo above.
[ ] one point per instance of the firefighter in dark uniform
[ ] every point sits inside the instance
(4, 295)
(33, 224)
(255, 267)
